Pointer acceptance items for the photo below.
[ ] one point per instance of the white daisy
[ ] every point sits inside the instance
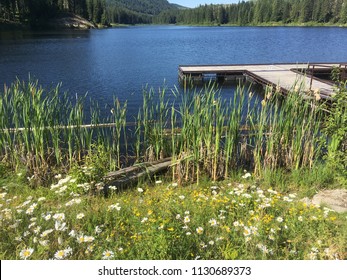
(213, 222)
(107, 255)
(59, 255)
(80, 216)
(26, 253)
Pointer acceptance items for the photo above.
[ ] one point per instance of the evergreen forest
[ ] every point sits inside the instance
(38, 12)
(258, 12)
(253, 12)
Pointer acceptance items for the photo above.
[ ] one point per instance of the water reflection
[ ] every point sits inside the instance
(121, 62)
(14, 35)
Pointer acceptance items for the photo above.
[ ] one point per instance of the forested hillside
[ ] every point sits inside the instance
(135, 11)
(38, 12)
(262, 11)
(254, 12)
(151, 7)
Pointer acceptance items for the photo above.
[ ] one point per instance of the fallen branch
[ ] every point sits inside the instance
(132, 174)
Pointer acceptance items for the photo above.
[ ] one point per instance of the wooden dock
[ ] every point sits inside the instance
(285, 77)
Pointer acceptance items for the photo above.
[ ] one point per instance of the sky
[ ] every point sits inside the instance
(196, 3)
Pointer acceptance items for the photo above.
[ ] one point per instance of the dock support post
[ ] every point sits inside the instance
(343, 72)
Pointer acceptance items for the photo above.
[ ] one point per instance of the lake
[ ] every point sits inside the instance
(122, 61)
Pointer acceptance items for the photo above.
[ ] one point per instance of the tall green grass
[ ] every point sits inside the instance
(41, 129)
(202, 132)
(287, 131)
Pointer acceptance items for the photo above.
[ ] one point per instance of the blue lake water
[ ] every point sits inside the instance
(122, 61)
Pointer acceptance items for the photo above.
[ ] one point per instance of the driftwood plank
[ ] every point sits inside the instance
(132, 174)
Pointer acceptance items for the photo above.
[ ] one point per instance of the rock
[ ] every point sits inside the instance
(306, 200)
(333, 199)
(71, 21)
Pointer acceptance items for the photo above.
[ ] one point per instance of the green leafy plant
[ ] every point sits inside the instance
(336, 127)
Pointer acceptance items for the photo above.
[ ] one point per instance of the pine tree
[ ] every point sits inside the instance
(306, 10)
(277, 10)
(343, 14)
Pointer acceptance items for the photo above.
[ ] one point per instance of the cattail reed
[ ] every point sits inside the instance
(203, 133)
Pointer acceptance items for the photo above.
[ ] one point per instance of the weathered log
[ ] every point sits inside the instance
(132, 174)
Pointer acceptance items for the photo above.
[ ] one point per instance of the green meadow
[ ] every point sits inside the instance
(240, 170)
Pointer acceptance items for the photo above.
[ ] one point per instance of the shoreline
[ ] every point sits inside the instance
(78, 23)
(65, 21)
(269, 24)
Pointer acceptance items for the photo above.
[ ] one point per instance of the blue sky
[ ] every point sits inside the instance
(195, 3)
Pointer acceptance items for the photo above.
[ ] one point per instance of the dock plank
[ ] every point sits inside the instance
(284, 76)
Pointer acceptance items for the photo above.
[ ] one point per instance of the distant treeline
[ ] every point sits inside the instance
(254, 12)
(261, 12)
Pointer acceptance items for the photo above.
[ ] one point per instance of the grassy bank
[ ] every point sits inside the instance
(54, 156)
(47, 132)
(234, 219)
